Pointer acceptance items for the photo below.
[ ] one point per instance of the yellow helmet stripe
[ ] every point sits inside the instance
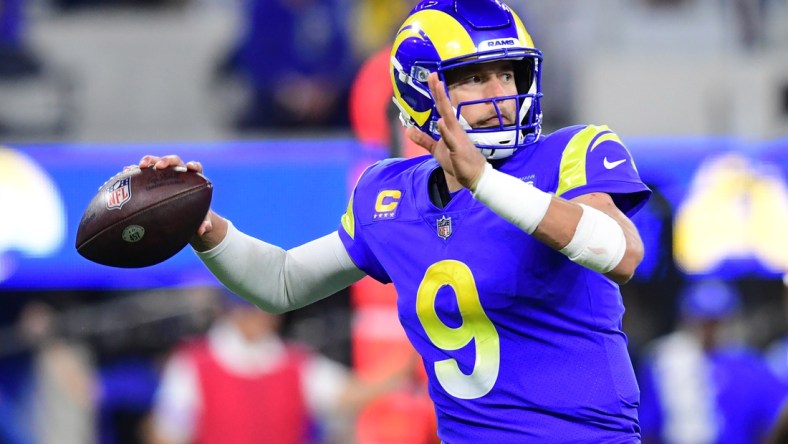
(448, 37)
(419, 116)
(522, 33)
(446, 34)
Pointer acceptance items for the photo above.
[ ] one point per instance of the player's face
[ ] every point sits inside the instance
(484, 81)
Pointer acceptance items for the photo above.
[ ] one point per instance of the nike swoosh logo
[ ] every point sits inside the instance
(610, 165)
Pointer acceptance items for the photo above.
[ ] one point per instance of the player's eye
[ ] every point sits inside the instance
(473, 79)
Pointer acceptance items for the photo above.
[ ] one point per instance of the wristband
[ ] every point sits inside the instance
(520, 203)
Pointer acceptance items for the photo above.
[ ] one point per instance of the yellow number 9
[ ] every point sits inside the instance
(475, 325)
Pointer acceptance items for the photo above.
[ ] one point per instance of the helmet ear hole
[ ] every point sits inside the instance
(417, 100)
(421, 74)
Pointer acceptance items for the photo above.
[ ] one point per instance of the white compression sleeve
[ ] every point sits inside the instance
(277, 280)
(516, 201)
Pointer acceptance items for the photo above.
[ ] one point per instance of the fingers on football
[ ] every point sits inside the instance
(194, 166)
(148, 161)
(172, 160)
(168, 161)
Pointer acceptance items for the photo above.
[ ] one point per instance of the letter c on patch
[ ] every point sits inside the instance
(387, 201)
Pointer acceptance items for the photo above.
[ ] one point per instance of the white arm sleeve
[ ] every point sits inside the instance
(277, 280)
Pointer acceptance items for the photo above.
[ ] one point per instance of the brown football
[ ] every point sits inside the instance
(141, 217)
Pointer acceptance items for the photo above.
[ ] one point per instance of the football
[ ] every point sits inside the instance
(141, 217)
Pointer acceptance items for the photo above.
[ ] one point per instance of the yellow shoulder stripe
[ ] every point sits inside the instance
(348, 221)
(572, 173)
(606, 137)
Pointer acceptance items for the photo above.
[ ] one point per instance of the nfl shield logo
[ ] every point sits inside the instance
(118, 193)
(444, 227)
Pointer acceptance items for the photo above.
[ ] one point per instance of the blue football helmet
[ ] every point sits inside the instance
(440, 35)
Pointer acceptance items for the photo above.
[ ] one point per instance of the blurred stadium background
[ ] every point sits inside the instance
(698, 90)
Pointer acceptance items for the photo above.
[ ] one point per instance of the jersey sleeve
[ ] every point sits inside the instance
(596, 160)
(351, 229)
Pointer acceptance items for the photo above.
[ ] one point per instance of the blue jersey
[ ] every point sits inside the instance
(520, 344)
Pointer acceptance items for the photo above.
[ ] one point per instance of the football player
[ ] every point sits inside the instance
(506, 245)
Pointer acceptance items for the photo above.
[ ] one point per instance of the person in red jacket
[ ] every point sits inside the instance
(242, 383)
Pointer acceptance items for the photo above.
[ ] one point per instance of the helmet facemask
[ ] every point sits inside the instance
(494, 142)
(501, 140)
